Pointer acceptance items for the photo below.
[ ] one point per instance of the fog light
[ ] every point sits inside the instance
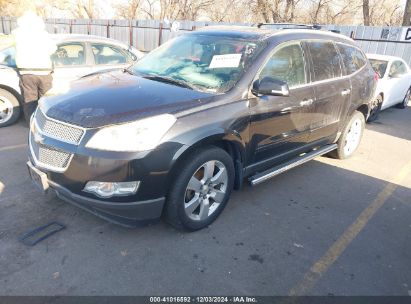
(104, 189)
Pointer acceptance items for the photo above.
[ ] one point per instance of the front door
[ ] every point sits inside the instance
(70, 63)
(280, 125)
(107, 56)
(397, 82)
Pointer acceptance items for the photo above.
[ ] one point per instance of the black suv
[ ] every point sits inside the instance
(173, 134)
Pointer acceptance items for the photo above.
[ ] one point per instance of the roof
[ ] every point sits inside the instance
(251, 32)
(383, 57)
(236, 31)
(84, 37)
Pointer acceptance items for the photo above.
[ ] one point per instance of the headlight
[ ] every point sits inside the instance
(141, 135)
(105, 189)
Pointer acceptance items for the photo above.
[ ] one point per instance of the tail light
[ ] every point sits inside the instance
(376, 77)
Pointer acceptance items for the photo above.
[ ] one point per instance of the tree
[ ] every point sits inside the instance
(129, 10)
(407, 14)
(275, 11)
(385, 13)
(366, 11)
(85, 9)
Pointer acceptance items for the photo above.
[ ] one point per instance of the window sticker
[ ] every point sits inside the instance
(225, 61)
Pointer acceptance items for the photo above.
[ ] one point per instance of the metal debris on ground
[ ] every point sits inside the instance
(38, 234)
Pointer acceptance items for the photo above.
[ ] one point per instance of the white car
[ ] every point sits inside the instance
(394, 83)
(76, 56)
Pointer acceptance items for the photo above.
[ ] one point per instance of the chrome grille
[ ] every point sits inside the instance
(58, 130)
(49, 157)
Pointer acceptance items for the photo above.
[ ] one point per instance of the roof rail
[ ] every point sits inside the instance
(290, 25)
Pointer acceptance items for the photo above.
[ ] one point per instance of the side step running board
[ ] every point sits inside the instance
(263, 176)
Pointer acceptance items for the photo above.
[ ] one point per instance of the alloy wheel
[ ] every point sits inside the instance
(6, 109)
(206, 190)
(353, 137)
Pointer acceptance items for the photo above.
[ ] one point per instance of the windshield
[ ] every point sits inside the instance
(7, 57)
(379, 66)
(204, 62)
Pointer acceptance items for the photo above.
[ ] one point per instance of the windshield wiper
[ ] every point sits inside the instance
(129, 70)
(170, 80)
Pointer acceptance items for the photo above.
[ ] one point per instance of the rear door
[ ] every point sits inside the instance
(281, 125)
(332, 91)
(360, 73)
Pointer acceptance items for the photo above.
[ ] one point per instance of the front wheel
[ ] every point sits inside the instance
(9, 108)
(351, 136)
(201, 189)
(406, 100)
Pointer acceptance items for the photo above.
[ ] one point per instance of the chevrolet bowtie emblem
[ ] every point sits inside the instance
(38, 138)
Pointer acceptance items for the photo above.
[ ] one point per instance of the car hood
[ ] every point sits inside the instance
(117, 97)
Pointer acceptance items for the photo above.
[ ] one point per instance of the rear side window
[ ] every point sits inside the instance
(286, 64)
(325, 60)
(379, 66)
(397, 68)
(353, 58)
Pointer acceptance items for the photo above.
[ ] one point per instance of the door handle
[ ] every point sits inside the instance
(306, 102)
(345, 92)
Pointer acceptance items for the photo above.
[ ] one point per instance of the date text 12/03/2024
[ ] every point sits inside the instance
(207, 299)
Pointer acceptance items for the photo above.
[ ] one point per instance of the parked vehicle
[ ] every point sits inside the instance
(394, 83)
(76, 56)
(175, 133)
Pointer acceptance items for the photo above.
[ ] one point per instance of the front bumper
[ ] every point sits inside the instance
(130, 214)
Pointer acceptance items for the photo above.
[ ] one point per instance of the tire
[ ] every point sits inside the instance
(375, 109)
(405, 101)
(9, 108)
(190, 174)
(356, 125)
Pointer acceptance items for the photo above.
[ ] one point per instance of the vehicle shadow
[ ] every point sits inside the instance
(263, 243)
(393, 121)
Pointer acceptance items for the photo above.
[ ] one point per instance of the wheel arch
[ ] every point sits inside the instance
(228, 141)
(364, 109)
(12, 91)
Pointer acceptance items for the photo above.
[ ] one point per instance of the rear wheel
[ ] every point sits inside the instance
(375, 109)
(351, 136)
(9, 108)
(201, 189)
(406, 100)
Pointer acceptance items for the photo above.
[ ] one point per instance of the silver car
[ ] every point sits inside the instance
(76, 56)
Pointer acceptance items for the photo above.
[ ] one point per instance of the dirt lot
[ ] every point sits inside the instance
(327, 227)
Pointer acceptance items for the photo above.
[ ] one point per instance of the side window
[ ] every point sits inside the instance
(397, 68)
(7, 57)
(325, 58)
(353, 58)
(287, 64)
(69, 54)
(108, 54)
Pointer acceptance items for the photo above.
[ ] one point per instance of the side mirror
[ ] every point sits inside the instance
(270, 86)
